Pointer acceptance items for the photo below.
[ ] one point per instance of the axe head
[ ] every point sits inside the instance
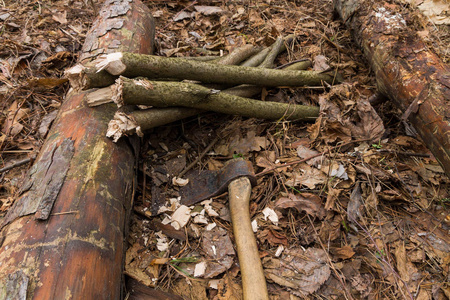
(206, 184)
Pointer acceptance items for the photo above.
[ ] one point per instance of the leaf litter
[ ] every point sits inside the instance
(351, 206)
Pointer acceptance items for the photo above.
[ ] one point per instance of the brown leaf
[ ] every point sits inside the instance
(15, 114)
(46, 83)
(355, 205)
(60, 17)
(219, 250)
(243, 145)
(370, 125)
(310, 203)
(301, 271)
(310, 177)
(228, 289)
(345, 252)
(273, 237)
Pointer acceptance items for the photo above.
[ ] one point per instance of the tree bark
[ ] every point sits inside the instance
(406, 69)
(168, 93)
(64, 236)
(135, 65)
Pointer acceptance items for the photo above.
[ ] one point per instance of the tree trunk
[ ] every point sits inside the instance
(64, 236)
(406, 69)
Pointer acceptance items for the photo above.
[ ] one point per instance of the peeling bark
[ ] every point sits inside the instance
(65, 233)
(406, 69)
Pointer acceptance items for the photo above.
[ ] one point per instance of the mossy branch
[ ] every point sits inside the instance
(166, 94)
(134, 65)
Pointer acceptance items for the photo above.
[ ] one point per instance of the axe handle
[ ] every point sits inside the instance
(253, 280)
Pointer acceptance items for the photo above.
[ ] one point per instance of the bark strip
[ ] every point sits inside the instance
(65, 237)
(406, 69)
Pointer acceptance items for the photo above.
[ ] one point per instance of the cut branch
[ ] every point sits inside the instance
(135, 65)
(238, 55)
(141, 120)
(406, 69)
(166, 94)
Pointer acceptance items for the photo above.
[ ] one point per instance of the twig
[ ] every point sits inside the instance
(17, 164)
(191, 165)
(404, 153)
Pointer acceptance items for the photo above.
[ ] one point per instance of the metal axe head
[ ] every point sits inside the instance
(206, 184)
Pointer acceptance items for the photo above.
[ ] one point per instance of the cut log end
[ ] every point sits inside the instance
(121, 125)
(99, 97)
(75, 76)
(111, 63)
(117, 92)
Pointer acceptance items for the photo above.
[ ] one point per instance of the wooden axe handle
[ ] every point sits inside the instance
(253, 280)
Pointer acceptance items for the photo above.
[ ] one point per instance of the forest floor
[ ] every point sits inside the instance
(366, 219)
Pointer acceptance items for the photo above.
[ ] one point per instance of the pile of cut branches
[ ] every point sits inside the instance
(151, 91)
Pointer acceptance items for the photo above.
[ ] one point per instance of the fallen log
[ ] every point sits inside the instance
(64, 236)
(406, 69)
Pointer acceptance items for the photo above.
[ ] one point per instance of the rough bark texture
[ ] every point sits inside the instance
(168, 93)
(406, 69)
(150, 66)
(64, 236)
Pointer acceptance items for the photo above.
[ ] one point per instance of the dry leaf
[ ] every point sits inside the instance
(302, 271)
(60, 17)
(320, 63)
(228, 289)
(274, 237)
(15, 115)
(345, 252)
(309, 203)
(309, 177)
(219, 250)
(208, 10)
